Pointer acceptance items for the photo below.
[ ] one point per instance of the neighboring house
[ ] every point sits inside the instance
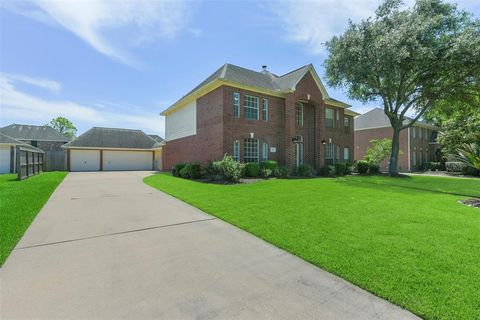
(9, 153)
(110, 149)
(417, 143)
(258, 116)
(42, 137)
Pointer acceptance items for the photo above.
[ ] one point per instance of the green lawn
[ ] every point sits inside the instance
(20, 201)
(407, 240)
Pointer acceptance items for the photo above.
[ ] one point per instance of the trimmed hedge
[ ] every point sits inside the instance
(191, 171)
(455, 166)
(252, 169)
(304, 170)
(177, 168)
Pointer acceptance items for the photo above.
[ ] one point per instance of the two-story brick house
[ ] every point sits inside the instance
(417, 143)
(258, 116)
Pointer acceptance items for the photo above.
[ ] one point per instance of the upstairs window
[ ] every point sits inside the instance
(425, 134)
(420, 133)
(236, 151)
(265, 109)
(250, 150)
(414, 132)
(299, 114)
(346, 124)
(265, 152)
(329, 117)
(251, 107)
(236, 104)
(337, 113)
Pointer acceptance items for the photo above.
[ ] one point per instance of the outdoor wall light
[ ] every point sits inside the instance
(324, 142)
(252, 134)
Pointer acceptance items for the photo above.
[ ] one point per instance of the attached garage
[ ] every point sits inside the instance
(127, 160)
(111, 149)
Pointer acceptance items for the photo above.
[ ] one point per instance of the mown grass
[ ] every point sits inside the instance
(407, 240)
(20, 201)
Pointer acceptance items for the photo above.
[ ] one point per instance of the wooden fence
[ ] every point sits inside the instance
(55, 160)
(29, 162)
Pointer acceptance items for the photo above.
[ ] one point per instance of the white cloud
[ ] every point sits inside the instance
(50, 85)
(17, 105)
(314, 22)
(111, 26)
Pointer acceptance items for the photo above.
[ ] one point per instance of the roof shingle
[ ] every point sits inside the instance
(31, 132)
(98, 137)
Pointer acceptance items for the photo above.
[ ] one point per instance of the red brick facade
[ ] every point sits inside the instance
(421, 149)
(218, 128)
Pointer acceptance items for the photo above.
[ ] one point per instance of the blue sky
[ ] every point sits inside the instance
(120, 63)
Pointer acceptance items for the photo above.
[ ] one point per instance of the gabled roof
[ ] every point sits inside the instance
(98, 137)
(156, 137)
(376, 118)
(4, 139)
(31, 132)
(264, 81)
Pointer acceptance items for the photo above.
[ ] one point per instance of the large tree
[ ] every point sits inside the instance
(64, 126)
(409, 59)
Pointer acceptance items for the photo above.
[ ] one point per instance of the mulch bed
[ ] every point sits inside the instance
(471, 202)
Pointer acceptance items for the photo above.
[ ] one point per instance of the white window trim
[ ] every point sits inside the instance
(256, 99)
(236, 106)
(299, 111)
(265, 151)
(236, 147)
(265, 108)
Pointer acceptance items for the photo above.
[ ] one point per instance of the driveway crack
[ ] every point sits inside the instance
(113, 234)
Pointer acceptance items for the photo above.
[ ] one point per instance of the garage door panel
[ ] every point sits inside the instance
(4, 159)
(127, 160)
(84, 160)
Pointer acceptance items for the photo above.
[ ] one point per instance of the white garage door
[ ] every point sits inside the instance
(4, 159)
(127, 160)
(84, 160)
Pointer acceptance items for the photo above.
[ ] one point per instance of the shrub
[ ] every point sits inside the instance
(252, 169)
(191, 171)
(177, 168)
(362, 167)
(373, 168)
(455, 166)
(271, 165)
(433, 166)
(304, 170)
(340, 168)
(327, 171)
(266, 173)
(228, 168)
(471, 171)
(280, 172)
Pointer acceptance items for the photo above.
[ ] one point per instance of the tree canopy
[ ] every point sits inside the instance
(408, 59)
(64, 126)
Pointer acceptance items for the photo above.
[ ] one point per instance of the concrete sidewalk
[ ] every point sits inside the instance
(107, 246)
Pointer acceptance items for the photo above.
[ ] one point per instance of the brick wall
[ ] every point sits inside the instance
(207, 144)
(271, 131)
(362, 143)
(47, 145)
(217, 128)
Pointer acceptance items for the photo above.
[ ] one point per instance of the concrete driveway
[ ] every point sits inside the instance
(107, 246)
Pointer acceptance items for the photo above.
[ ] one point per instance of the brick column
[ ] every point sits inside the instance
(290, 129)
(319, 134)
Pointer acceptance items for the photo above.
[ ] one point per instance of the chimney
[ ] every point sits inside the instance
(264, 69)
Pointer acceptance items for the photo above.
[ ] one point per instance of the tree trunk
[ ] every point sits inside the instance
(393, 166)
